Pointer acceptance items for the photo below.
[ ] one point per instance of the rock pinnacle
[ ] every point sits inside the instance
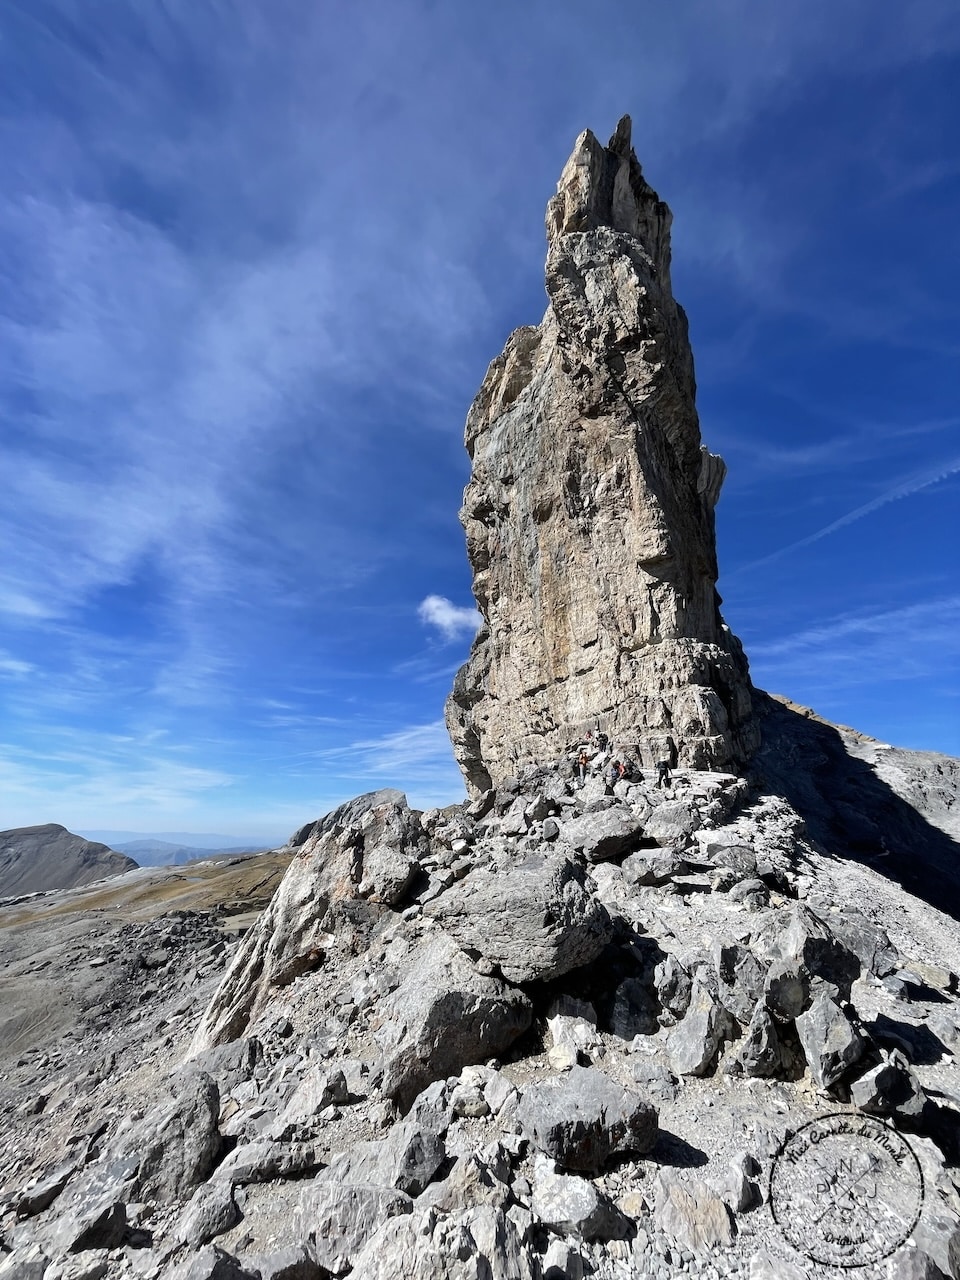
(589, 512)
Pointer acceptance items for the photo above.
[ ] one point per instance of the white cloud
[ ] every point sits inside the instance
(451, 620)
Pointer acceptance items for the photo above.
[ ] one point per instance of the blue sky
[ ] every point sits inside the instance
(254, 260)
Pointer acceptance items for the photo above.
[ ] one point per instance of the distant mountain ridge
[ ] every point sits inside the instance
(163, 853)
(35, 859)
(189, 839)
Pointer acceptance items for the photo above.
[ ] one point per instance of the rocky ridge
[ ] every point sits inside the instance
(560, 1030)
(35, 859)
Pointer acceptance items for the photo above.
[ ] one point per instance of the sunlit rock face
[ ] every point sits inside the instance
(589, 512)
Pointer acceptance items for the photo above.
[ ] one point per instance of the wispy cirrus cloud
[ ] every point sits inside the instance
(75, 777)
(918, 642)
(417, 759)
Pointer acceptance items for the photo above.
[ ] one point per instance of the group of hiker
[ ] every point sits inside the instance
(594, 756)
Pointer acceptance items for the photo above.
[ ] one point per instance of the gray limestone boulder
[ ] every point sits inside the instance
(808, 939)
(337, 1220)
(572, 1205)
(473, 1244)
(692, 1214)
(26, 1263)
(367, 850)
(891, 1088)
(583, 1119)
(831, 1043)
(602, 835)
(634, 1009)
(868, 942)
(479, 1178)
(786, 989)
(210, 1211)
(177, 1143)
(671, 822)
(212, 1263)
(673, 986)
(759, 1052)
(753, 893)
(295, 1262)
(696, 1040)
(741, 978)
(96, 1218)
(231, 1064)
(653, 866)
(730, 851)
(444, 1016)
(562, 1261)
(535, 917)
(265, 1159)
(346, 815)
(411, 1153)
(317, 1089)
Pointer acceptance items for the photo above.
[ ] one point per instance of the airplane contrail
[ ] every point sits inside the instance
(906, 487)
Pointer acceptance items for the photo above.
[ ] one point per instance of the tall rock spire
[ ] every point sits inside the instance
(589, 512)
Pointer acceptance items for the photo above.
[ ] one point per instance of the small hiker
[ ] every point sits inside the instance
(663, 774)
(613, 772)
(602, 740)
(583, 761)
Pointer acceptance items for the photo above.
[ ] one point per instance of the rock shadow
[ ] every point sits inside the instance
(676, 1152)
(849, 810)
(619, 984)
(919, 1043)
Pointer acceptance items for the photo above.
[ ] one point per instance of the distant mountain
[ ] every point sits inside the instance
(164, 853)
(33, 859)
(191, 839)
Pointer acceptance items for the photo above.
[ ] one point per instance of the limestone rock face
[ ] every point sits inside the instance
(589, 512)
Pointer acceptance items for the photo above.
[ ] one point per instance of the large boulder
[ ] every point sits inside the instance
(535, 916)
(696, 1040)
(482, 1243)
(808, 939)
(572, 1205)
(366, 850)
(831, 1043)
(584, 1119)
(178, 1142)
(602, 834)
(337, 1220)
(443, 1016)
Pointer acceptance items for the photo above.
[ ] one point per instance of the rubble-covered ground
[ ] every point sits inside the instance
(559, 1031)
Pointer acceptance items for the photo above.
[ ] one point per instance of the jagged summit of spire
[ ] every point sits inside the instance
(605, 187)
